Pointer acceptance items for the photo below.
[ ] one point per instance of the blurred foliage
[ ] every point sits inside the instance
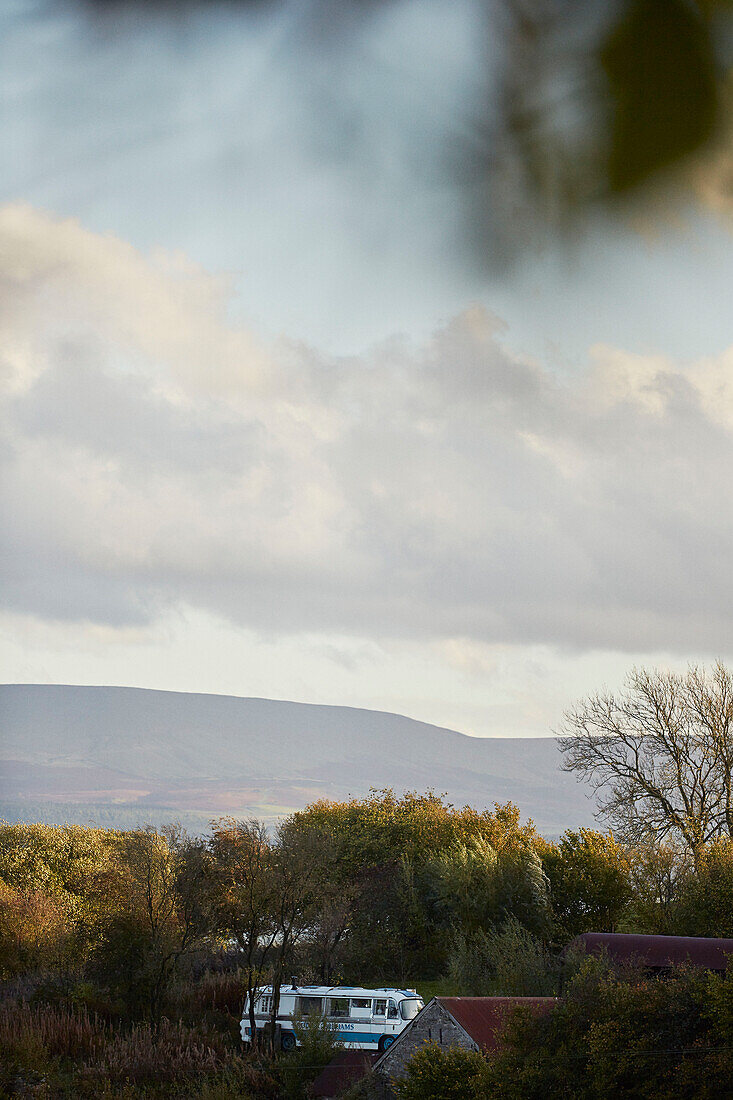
(597, 100)
(602, 102)
(663, 82)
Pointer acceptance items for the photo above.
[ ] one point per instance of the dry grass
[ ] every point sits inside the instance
(62, 1032)
(218, 991)
(174, 1053)
(40, 1042)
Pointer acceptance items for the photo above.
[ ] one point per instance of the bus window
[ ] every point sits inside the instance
(307, 1005)
(361, 1007)
(338, 1006)
(410, 1008)
(392, 1011)
(264, 1005)
(380, 1008)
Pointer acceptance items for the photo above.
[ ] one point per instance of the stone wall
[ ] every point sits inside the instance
(433, 1024)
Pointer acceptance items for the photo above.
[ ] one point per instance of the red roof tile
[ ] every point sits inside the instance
(483, 1017)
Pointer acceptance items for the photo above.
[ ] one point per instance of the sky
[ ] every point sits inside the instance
(288, 413)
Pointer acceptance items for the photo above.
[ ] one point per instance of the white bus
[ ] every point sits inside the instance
(363, 1019)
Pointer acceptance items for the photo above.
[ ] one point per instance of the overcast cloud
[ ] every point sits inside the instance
(156, 456)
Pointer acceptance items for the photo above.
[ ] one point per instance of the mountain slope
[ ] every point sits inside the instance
(136, 751)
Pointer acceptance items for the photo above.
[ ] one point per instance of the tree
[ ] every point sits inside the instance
(155, 913)
(383, 917)
(659, 876)
(589, 881)
(660, 754)
(245, 897)
(705, 905)
(477, 888)
(299, 859)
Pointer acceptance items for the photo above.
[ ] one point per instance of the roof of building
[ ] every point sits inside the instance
(482, 1018)
(659, 951)
(345, 1069)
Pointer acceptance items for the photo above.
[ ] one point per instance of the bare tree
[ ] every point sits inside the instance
(660, 754)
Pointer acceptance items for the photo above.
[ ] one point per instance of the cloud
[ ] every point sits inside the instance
(155, 454)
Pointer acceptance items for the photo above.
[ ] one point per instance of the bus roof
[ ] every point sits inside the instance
(339, 991)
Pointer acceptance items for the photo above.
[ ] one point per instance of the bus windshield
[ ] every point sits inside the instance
(409, 1009)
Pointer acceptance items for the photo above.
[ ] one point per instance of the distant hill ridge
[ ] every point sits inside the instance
(100, 752)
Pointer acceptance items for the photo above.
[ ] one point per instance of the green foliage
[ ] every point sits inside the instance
(506, 962)
(435, 1074)
(317, 1046)
(156, 912)
(659, 874)
(589, 878)
(611, 1037)
(477, 887)
(705, 906)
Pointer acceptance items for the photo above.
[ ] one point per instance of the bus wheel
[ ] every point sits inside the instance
(385, 1043)
(287, 1041)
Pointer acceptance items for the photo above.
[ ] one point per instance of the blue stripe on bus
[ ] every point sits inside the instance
(352, 1036)
(357, 1037)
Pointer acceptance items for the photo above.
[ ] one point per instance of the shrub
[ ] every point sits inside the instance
(435, 1074)
(317, 1046)
(508, 962)
(614, 1036)
(34, 931)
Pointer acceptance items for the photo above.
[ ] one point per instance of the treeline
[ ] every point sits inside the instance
(387, 888)
(134, 927)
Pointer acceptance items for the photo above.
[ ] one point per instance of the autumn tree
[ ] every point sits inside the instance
(705, 901)
(300, 858)
(245, 897)
(659, 874)
(589, 876)
(381, 920)
(659, 754)
(156, 912)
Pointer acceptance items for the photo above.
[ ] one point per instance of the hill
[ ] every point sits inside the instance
(126, 755)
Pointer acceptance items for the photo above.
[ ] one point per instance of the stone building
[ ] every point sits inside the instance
(473, 1023)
